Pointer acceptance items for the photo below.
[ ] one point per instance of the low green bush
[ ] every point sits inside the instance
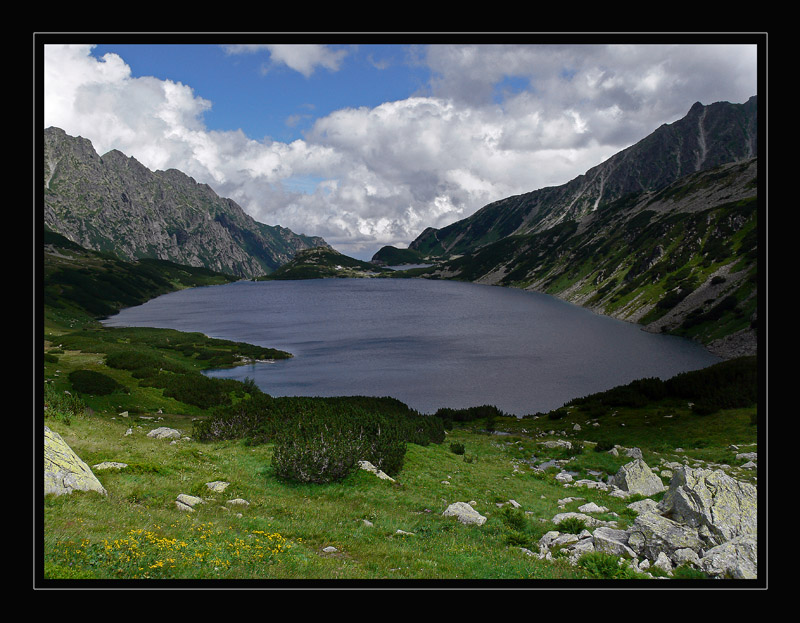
(94, 383)
(572, 525)
(62, 406)
(607, 567)
(322, 447)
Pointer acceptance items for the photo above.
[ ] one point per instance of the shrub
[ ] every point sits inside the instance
(606, 566)
(62, 406)
(313, 453)
(323, 444)
(514, 519)
(195, 388)
(572, 525)
(603, 446)
(94, 383)
(457, 448)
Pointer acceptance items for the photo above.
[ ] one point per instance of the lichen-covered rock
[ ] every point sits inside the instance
(637, 477)
(464, 513)
(164, 432)
(736, 559)
(652, 534)
(612, 541)
(218, 486)
(186, 502)
(713, 502)
(64, 471)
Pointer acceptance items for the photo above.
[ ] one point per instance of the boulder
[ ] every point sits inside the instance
(612, 541)
(637, 477)
(163, 432)
(737, 559)
(64, 471)
(186, 502)
(218, 486)
(590, 521)
(464, 513)
(652, 534)
(711, 501)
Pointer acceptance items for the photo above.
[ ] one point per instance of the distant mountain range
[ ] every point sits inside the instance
(115, 204)
(664, 233)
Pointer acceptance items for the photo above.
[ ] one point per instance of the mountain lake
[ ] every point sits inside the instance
(428, 343)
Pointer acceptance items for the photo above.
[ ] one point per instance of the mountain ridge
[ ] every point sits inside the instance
(706, 137)
(113, 203)
(664, 233)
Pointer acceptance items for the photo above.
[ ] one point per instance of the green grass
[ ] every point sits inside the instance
(136, 532)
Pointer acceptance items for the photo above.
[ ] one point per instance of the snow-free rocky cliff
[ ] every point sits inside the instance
(115, 204)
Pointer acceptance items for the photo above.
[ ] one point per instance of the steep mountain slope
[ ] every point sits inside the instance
(115, 204)
(706, 137)
(683, 260)
(664, 233)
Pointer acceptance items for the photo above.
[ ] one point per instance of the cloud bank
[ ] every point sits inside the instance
(495, 121)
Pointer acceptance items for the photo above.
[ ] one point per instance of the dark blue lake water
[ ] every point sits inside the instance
(427, 343)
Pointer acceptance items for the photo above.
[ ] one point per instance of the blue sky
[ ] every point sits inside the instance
(268, 99)
(368, 142)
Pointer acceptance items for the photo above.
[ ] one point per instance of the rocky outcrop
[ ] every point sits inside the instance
(718, 506)
(64, 471)
(706, 520)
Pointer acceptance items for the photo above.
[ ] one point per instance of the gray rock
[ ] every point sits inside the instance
(369, 467)
(714, 502)
(637, 477)
(686, 556)
(591, 507)
(464, 513)
(110, 465)
(238, 502)
(218, 486)
(644, 506)
(64, 471)
(186, 502)
(164, 432)
(612, 541)
(737, 559)
(652, 534)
